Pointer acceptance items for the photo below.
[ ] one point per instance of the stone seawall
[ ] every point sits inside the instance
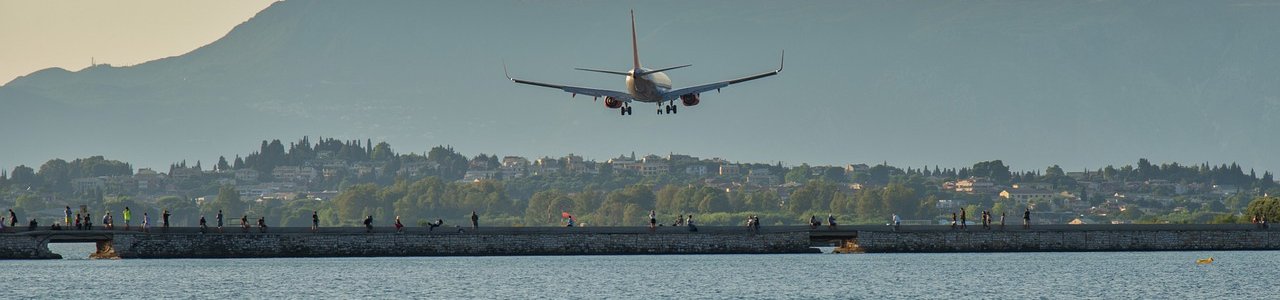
(195, 245)
(1073, 238)
(354, 242)
(13, 246)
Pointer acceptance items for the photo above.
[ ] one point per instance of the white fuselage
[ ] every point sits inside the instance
(648, 87)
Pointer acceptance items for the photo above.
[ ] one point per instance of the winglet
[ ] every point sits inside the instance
(635, 51)
(783, 62)
(504, 71)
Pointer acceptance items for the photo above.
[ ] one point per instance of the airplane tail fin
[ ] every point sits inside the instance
(635, 51)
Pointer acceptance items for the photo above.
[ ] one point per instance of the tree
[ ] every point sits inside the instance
(352, 202)
(714, 202)
(798, 174)
(29, 203)
(899, 199)
(382, 152)
(1146, 170)
(1268, 207)
(222, 164)
(23, 177)
(184, 211)
(834, 174)
(228, 201)
(1054, 170)
(996, 170)
(55, 175)
(868, 204)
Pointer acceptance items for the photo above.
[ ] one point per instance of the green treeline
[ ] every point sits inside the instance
(420, 187)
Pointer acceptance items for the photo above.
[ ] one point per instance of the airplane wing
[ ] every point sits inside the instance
(675, 94)
(624, 96)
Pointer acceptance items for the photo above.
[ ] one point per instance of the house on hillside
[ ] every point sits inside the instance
(975, 185)
(696, 170)
(730, 169)
(246, 175)
(1023, 196)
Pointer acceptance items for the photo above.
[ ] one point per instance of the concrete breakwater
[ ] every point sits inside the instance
(354, 242)
(1048, 238)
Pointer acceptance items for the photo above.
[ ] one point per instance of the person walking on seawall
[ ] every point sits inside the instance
(204, 227)
(164, 219)
(399, 227)
(88, 221)
(1026, 218)
(653, 220)
(68, 213)
(1002, 220)
(570, 221)
(262, 224)
(108, 222)
(78, 226)
(953, 220)
(831, 221)
(964, 218)
(315, 221)
(813, 222)
(475, 220)
(13, 218)
(127, 216)
(219, 217)
(244, 223)
(368, 224)
(896, 222)
(146, 222)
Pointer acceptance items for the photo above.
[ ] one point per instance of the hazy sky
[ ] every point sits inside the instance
(1082, 84)
(41, 34)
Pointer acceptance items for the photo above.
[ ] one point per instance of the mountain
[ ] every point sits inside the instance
(1082, 84)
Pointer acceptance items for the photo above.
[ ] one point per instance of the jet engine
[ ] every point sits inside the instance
(612, 102)
(689, 99)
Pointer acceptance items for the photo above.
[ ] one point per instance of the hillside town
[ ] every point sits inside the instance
(314, 175)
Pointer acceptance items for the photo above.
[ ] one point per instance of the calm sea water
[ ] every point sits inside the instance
(1128, 275)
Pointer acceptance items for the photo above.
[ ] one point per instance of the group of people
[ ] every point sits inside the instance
(83, 221)
(431, 226)
(814, 222)
(753, 223)
(1260, 221)
(680, 221)
(987, 219)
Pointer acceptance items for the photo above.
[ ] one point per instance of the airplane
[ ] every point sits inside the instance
(646, 85)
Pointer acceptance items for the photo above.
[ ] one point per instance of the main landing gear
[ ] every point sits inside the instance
(625, 110)
(669, 108)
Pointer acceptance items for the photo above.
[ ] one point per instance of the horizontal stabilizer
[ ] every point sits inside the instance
(604, 71)
(661, 70)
